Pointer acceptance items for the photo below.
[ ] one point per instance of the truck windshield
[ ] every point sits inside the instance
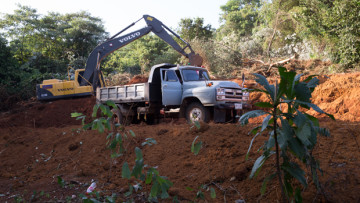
(195, 75)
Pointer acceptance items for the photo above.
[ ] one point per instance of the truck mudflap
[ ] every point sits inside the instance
(229, 112)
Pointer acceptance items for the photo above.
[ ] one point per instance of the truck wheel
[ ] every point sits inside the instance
(197, 112)
(119, 118)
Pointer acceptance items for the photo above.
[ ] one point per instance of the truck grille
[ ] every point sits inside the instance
(232, 95)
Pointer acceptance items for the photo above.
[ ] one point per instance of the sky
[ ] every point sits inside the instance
(117, 14)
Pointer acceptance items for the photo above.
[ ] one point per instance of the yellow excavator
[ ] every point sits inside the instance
(87, 80)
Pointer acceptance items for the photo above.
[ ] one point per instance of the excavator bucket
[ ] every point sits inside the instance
(195, 59)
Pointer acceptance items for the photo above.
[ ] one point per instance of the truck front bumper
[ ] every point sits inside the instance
(226, 112)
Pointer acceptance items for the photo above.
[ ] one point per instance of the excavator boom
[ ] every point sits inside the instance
(92, 71)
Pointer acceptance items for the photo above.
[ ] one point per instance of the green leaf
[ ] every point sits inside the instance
(244, 119)
(200, 195)
(322, 131)
(132, 133)
(130, 191)
(298, 197)
(189, 189)
(265, 122)
(302, 92)
(139, 164)
(195, 148)
(197, 124)
(255, 130)
(296, 147)
(126, 171)
(286, 83)
(164, 193)
(138, 153)
(316, 108)
(149, 177)
(259, 162)
(212, 193)
(103, 109)
(263, 82)
(100, 125)
(95, 109)
(294, 170)
(154, 189)
(265, 182)
(111, 103)
(312, 83)
(149, 141)
(61, 182)
(94, 125)
(303, 133)
(75, 114)
(264, 104)
(251, 142)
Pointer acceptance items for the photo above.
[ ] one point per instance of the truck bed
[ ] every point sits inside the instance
(123, 94)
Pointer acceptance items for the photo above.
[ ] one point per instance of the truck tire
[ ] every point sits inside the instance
(119, 118)
(197, 112)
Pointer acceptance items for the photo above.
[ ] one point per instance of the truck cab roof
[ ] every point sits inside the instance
(155, 70)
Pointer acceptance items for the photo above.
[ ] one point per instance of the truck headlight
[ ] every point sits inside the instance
(220, 91)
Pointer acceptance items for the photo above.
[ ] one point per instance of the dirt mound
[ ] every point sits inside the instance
(339, 94)
(47, 114)
(138, 79)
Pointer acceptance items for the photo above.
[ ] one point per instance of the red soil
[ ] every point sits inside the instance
(40, 141)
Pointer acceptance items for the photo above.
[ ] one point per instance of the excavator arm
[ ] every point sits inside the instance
(92, 71)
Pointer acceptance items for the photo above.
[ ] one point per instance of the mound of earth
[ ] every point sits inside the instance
(339, 94)
(40, 142)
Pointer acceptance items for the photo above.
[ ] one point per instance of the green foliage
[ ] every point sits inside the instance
(190, 29)
(336, 24)
(200, 192)
(292, 133)
(61, 182)
(240, 16)
(195, 147)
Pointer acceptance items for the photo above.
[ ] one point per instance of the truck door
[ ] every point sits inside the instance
(171, 88)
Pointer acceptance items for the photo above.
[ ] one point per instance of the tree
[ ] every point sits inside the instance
(190, 29)
(9, 73)
(292, 132)
(337, 23)
(20, 27)
(240, 16)
(55, 38)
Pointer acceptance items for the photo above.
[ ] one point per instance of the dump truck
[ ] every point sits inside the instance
(175, 89)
